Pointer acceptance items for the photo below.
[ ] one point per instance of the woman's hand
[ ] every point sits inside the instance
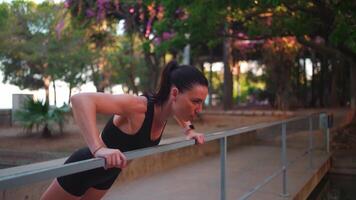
(198, 137)
(113, 157)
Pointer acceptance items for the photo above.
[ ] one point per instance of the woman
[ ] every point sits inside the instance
(137, 122)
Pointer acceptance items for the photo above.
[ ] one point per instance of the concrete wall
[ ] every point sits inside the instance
(29, 192)
(18, 101)
(5, 117)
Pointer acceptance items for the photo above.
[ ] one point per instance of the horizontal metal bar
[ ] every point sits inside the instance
(270, 178)
(17, 176)
(259, 186)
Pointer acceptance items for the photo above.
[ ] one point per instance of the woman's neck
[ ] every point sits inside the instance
(163, 112)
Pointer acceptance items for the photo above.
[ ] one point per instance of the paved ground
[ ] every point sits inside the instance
(247, 167)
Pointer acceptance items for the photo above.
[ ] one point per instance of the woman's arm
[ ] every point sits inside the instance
(86, 105)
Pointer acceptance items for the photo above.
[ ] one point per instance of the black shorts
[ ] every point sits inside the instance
(99, 178)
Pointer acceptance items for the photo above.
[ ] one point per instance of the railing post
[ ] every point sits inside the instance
(223, 168)
(330, 122)
(311, 142)
(327, 140)
(325, 125)
(284, 160)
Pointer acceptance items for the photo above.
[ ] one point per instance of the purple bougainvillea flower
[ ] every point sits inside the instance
(157, 41)
(167, 35)
(67, 3)
(59, 28)
(117, 4)
(148, 27)
(89, 13)
(101, 9)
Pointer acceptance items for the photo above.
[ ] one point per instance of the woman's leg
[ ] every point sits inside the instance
(55, 191)
(93, 194)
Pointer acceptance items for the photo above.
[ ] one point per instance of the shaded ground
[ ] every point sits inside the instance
(344, 150)
(345, 138)
(13, 138)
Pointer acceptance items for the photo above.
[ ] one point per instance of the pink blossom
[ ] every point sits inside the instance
(131, 10)
(90, 13)
(59, 28)
(67, 3)
(157, 41)
(101, 9)
(117, 4)
(167, 35)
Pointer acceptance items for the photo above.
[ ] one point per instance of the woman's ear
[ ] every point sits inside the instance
(174, 92)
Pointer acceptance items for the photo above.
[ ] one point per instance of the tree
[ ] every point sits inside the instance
(326, 27)
(279, 56)
(100, 20)
(38, 55)
(26, 34)
(206, 23)
(70, 58)
(161, 27)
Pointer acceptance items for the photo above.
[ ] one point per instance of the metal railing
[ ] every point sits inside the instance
(23, 175)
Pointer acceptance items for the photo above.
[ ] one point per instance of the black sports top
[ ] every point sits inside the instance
(102, 179)
(114, 138)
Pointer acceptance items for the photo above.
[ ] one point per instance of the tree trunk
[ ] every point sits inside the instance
(46, 132)
(55, 92)
(353, 85)
(95, 77)
(305, 83)
(227, 98)
(211, 84)
(153, 72)
(238, 85)
(351, 115)
(70, 92)
(312, 87)
(46, 82)
(334, 76)
(132, 66)
(322, 83)
(299, 74)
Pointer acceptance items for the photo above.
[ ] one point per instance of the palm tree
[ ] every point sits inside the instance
(38, 114)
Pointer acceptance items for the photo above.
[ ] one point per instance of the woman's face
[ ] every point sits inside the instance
(188, 104)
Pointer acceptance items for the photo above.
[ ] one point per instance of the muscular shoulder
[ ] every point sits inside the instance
(123, 104)
(132, 104)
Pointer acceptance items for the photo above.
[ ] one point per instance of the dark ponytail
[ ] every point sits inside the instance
(184, 77)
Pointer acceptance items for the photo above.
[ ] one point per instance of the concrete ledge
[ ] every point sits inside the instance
(313, 181)
(252, 113)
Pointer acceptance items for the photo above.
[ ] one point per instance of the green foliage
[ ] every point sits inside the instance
(40, 115)
(249, 85)
(70, 58)
(32, 53)
(216, 84)
(202, 27)
(128, 64)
